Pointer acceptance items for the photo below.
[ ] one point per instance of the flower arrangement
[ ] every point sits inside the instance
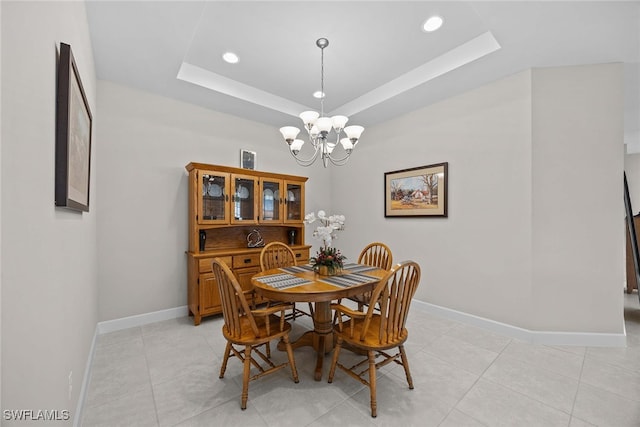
(328, 260)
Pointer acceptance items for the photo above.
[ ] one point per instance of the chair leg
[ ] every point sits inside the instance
(245, 376)
(405, 363)
(334, 361)
(372, 383)
(311, 310)
(223, 368)
(292, 361)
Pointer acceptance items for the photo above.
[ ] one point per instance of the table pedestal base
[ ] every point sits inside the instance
(321, 338)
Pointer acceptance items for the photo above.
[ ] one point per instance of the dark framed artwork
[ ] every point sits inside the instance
(73, 136)
(248, 159)
(420, 191)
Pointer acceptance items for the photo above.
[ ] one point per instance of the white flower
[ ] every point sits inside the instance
(325, 234)
(336, 221)
(309, 218)
(329, 225)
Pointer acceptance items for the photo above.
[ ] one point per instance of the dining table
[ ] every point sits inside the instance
(301, 283)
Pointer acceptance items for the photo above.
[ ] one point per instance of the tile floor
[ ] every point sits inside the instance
(166, 374)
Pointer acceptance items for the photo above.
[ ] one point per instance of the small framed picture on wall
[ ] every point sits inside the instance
(247, 159)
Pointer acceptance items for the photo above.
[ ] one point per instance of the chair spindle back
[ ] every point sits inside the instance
(234, 304)
(276, 255)
(394, 294)
(376, 254)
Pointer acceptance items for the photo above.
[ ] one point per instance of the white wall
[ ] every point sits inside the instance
(1, 405)
(49, 283)
(147, 141)
(478, 259)
(578, 208)
(481, 260)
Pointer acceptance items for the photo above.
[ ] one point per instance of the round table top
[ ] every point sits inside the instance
(315, 289)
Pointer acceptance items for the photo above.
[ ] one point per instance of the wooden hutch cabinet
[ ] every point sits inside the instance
(226, 205)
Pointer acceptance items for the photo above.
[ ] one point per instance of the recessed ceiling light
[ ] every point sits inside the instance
(230, 57)
(318, 94)
(432, 24)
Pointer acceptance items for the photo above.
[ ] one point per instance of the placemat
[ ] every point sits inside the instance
(358, 268)
(297, 268)
(282, 281)
(349, 280)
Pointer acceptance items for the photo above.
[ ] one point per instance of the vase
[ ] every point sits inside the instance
(203, 240)
(325, 270)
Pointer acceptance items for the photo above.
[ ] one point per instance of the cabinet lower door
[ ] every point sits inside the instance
(209, 295)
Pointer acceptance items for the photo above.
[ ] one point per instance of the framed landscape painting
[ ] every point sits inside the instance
(420, 191)
(73, 136)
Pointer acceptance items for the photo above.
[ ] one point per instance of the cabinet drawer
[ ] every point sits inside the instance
(302, 255)
(248, 260)
(205, 263)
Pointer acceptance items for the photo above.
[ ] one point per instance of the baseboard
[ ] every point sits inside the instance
(142, 319)
(84, 389)
(116, 325)
(536, 337)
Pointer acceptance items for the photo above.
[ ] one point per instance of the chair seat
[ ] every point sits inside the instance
(364, 298)
(247, 336)
(371, 339)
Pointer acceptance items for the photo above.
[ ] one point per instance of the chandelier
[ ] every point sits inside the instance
(319, 130)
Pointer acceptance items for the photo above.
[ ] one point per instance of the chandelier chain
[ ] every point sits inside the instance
(321, 81)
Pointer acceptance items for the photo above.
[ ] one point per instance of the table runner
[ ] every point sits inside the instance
(351, 267)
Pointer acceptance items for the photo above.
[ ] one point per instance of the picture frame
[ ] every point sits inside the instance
(73, 136)
(417, 192)
(631, 236)
(248, 159)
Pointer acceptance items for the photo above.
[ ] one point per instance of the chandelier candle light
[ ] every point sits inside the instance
(328, 261)
(319, 127)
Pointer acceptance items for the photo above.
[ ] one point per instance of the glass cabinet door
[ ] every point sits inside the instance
(271, 205)
(294, 202)
(244, 202)
(213, 197)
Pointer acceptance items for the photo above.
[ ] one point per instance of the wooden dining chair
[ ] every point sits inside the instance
(376, 333)
(376, 254)
(250, 329)
(277, 255)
